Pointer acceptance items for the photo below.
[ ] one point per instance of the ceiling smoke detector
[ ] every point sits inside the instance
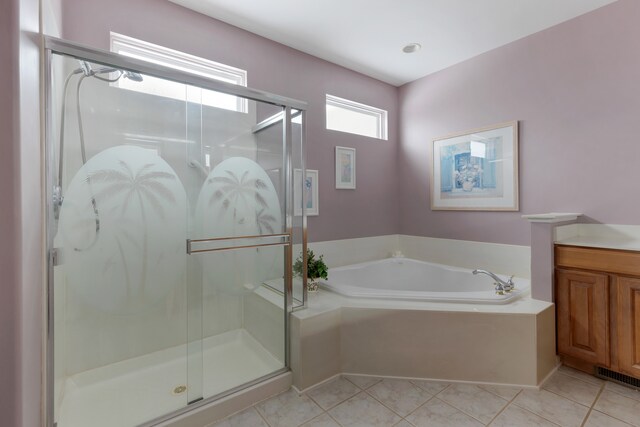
(412, 47)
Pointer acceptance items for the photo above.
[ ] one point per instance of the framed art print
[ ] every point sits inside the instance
(308, 194)
(476, 170)
(345, 168)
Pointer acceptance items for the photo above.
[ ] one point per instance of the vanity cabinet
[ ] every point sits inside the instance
(598, 308)
(628, 322)
(582, 301)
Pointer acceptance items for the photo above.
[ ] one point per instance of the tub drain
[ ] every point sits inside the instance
(179, 389)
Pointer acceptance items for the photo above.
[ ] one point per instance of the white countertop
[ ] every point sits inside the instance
(602, 242)
(552, 217)
(623, 237)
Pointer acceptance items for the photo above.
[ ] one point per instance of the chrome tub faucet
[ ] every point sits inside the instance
(502, 286)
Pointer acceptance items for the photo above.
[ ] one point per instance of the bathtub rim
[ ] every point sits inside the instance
(479, 297)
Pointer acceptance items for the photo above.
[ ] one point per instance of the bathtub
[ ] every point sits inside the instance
(409, 279)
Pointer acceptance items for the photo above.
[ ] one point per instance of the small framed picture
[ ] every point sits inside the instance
(476, 170)
(345, 168)
(308, 194)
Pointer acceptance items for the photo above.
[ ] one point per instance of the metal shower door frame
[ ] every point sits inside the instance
(51, 46)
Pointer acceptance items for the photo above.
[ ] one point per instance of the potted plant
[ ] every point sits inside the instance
(316, 269)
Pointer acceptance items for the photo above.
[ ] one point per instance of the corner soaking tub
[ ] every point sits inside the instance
(409, 279)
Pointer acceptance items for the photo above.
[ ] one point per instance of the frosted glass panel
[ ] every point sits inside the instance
(120, 224)
(123, 216)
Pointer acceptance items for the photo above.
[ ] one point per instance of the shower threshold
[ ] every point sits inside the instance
(137, 390)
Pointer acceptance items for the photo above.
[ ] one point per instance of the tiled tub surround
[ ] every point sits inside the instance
(499, 258)
(494, 344)
(569, 398)
(511, 344)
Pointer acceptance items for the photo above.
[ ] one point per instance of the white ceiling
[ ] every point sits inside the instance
(368, 35)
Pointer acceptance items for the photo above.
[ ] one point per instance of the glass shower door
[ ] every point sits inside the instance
(237, 239)
(171, 238)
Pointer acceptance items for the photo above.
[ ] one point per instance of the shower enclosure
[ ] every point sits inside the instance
(171, 237)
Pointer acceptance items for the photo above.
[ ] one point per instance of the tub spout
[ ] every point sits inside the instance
(501, 285)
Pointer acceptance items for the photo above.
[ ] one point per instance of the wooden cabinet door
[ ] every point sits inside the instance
(628, 319)
(582, 304)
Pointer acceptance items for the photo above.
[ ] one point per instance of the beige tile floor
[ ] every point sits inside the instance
(569, 399)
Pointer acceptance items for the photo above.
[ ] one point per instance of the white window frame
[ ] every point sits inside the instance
(380, 115)
(178, 60)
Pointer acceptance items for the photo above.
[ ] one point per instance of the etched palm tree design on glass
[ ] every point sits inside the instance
(144, 187)
(232, 191)
(239, 199)
(138, 228)
(264, 221)
(123, 235)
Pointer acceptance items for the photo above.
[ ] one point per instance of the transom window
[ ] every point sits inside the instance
(349, 116)
(161, 55)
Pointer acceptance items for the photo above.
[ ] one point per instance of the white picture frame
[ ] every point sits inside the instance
(308, 194)
(345, 168)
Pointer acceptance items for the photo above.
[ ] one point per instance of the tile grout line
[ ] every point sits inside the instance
(317, 416)
(415, 410)
(374, 398)
(575, 377)
(362, 389)
(544, 417)
(419, 406)
(261, 416)
(591, 407)
(365, 391)
(473, 416)
(435, 396)
(604, 388)
(336, 421)
(621, 394)
(340, 402)
(512, 402)
(540, 415)
(568, 398)
(505, 406)
(326, 411)
(586, 418)
(255, 408)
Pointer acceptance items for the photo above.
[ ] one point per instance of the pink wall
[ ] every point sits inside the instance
(21, 257)
(370, 210)
(575, 89)
(31, 249)
(9, 259)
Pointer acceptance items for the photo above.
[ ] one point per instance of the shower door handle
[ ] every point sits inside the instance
(204, 245)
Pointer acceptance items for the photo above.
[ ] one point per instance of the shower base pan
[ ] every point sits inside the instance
(137, 390)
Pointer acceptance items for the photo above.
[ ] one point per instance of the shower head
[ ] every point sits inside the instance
(133, 76)
(89, 71)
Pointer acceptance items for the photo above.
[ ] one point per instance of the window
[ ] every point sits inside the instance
(352, 117)
(160, 55)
